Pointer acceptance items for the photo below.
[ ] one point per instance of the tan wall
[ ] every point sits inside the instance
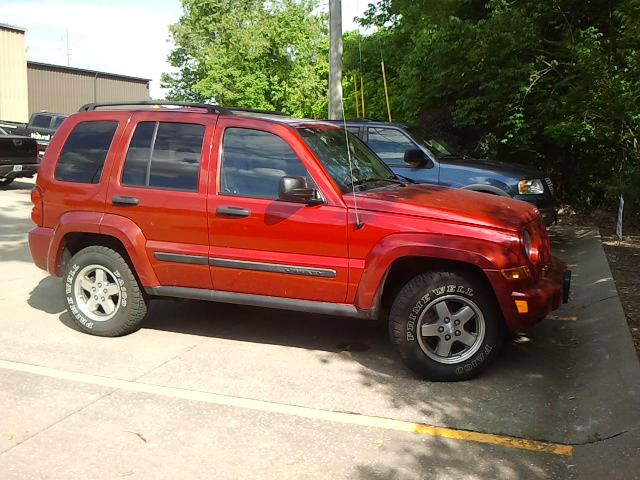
(60, 90)
(13, 76)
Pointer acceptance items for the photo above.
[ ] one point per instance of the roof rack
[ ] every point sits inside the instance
(90, 107)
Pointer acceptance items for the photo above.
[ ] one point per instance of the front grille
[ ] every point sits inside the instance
(549, 183)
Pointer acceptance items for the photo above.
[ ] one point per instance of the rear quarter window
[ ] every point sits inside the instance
(83, 155)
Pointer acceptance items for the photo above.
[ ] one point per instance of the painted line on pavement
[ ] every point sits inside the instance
(293, 410)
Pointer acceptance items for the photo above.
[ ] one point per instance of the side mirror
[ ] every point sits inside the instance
(295, 189)
(416, 158)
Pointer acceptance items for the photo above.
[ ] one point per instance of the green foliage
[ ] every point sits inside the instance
(255, 54)
(554, 83)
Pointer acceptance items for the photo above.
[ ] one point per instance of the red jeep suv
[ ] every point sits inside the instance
(135, 201)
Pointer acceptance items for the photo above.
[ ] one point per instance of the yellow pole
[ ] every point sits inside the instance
(355, 88)
(386, 93)
(364, 115)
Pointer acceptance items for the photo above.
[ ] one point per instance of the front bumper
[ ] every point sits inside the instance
(15, 171)
(524, 307)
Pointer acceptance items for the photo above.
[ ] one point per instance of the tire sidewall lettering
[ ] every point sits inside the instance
(73, 309)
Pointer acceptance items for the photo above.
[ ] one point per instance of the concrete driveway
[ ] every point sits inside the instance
(220, 391)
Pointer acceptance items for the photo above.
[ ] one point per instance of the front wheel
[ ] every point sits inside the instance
(446, 327)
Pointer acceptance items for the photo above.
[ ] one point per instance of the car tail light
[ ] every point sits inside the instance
(37, 212)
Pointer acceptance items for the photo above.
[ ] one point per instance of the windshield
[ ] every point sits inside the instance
(438, 147)
(330, 146)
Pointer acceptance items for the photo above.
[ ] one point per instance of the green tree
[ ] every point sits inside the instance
(554, 83)
(254, 54)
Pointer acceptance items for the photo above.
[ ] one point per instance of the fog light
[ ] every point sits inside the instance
(522, 306)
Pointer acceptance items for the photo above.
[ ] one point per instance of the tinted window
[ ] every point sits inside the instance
(58, 121)
(354, 130)
(41, 121)
(253, 162)
(389, 144)
(85, 151)
(164, 155)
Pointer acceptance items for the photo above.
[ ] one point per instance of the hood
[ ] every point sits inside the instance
(515, 171)
(449, 205)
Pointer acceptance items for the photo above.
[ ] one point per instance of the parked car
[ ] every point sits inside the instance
(41, 126)
(414, 154)
(18, 157)
(203, 202)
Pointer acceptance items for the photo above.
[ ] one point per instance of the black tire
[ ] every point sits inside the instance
(6, 181)
(120, 290)
(422, 303)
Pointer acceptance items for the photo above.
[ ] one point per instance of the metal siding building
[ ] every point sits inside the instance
(13, 74)
(60, 89)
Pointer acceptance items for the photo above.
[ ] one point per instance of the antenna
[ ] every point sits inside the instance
(68, 49)
(359, 224)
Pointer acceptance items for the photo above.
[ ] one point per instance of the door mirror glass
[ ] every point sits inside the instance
(415, 157)
(295, 189)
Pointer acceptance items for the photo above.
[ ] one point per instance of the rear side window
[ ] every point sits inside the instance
(164, 155)
(85, 151)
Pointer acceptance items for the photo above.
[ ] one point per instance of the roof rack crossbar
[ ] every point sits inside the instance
(90, 107)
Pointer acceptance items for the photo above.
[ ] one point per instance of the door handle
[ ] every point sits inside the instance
(233, 211)
(125, 201)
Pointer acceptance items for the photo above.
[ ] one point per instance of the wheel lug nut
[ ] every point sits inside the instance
(94, 289)
(446, 320)
(102, 298)
(441, 329)
(447, 337)
(457, 333)
(96, 297)
(105, 290)
(457, 322)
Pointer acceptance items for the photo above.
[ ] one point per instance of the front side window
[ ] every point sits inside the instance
(85, 151)
(164, 155)
(390, 144)
(253, 162)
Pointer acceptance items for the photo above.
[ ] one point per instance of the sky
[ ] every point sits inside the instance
(127, 37)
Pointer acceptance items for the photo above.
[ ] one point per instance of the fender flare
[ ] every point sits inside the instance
(486, 255)
(120, 228)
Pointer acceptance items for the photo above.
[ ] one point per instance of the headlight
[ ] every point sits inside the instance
(531, 187)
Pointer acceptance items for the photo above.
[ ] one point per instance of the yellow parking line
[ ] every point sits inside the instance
(293, 410)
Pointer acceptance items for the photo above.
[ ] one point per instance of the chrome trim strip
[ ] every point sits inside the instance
(309, 306)
(273, 268)
(180, 258)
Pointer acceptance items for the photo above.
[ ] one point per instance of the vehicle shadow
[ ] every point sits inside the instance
(19, 184)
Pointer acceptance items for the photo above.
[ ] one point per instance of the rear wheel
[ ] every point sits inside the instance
(6, 181)
(446, 327)
(103, 294)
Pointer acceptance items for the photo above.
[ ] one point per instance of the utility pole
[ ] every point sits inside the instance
(335, 60)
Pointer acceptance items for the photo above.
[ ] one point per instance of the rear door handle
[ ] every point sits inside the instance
(125, 201)
(233, 212)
